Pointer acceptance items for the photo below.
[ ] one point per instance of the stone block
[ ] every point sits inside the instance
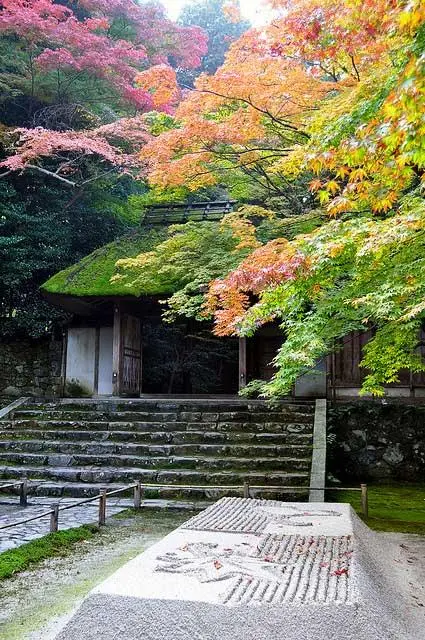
(253, 570)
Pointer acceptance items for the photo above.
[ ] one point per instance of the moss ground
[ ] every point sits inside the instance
(398, 508)
(54, 544)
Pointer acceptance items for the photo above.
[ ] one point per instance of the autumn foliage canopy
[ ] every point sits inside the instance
(333, 93)
(117, 47)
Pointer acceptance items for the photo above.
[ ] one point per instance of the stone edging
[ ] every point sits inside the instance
(318, 462)
(13, 405)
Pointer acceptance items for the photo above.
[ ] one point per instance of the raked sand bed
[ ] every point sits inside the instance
(247, 569)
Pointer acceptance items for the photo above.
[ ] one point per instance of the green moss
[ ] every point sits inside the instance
(92, 275)
(399, 508)
(54, 544)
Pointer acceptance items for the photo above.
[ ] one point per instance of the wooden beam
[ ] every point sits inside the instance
(116, 352)
(242, 363)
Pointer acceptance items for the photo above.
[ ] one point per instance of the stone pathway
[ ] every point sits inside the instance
(11, 512)
(15, 536)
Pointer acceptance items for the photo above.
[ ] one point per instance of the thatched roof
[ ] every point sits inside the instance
(91, 277)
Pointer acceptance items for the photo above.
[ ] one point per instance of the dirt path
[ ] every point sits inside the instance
(36, 603)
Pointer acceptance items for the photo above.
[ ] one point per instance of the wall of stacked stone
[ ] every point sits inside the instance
(30, 368)
(375, 440)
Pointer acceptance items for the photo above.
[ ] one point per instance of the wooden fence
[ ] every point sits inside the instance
(138, 494)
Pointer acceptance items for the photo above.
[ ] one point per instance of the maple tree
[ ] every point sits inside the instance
(67, 151)
(77, 75)
(247, 114)
(334, 92)
(111, 42)
(74, 54)
(361, 271)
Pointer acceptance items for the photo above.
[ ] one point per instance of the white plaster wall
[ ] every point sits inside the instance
(80, 356)
(312, 384)
(105, 361)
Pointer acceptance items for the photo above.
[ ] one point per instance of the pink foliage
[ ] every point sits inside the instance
(68, 147)
(67, 43)
(137, 69)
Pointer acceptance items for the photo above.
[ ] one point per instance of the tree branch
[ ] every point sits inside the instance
(70, 183)
(248, 101)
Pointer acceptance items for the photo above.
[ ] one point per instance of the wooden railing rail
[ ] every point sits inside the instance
(138, 492)
(23, 490)
(56, 509)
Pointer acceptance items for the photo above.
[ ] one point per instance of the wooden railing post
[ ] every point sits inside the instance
(23, 493)
(137, 499)
(54, 519)
(246, 490)
(365, 501)
(102, 508)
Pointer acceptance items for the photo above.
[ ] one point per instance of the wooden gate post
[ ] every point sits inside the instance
(242, 363)
(138, 494)
(116, 352)
(365, 501)
(23, 493)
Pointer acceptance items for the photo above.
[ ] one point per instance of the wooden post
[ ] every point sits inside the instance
(365, 501)
(63, 361)
(116, 352)
(138, 493)
(242, 363)
(246, 490)
(54, 519)
(102, 508)
(96, 361)
(23, 493)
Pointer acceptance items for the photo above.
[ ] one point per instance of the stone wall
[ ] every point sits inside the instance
(30, 368)
(373, 440)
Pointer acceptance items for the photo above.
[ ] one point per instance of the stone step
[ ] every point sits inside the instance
(269, 427)
(116, 461)
(40, 487)
(53, 447)
(123, 476)
(76, 447)
(157, 416)
(253, 406)
(166, 437)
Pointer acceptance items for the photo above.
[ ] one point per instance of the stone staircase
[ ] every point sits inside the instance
(77, 447)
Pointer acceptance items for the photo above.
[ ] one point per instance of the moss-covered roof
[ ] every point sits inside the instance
(92, 275)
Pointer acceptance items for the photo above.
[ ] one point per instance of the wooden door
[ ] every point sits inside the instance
(131, 344)
(127, 354)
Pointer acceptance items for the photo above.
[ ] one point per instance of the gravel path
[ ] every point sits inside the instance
(408, 562)
(36, 603)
